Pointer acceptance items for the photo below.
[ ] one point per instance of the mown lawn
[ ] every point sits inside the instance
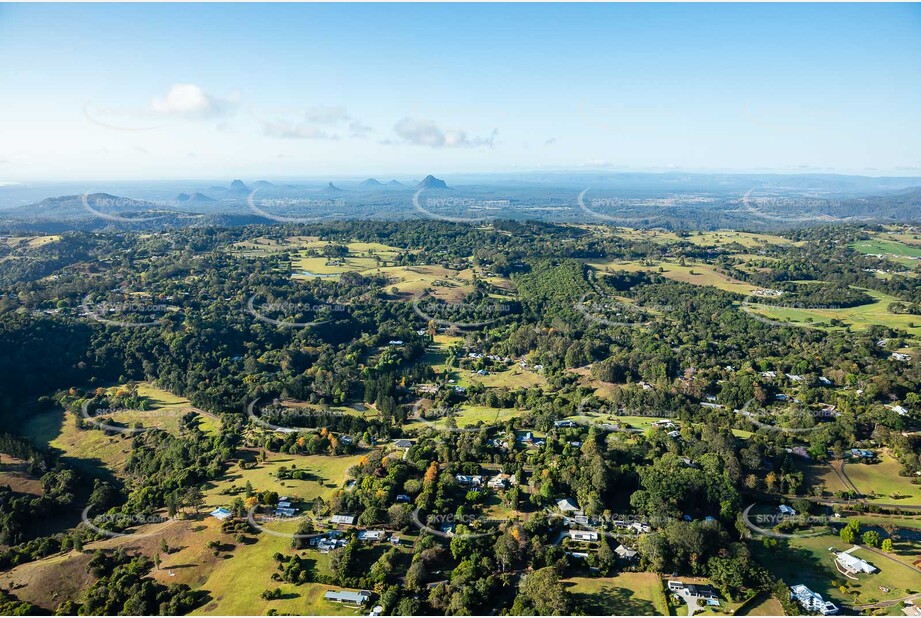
(808, 561)
(857, 317)
(627, 594)
(329, 473)
(883, 478)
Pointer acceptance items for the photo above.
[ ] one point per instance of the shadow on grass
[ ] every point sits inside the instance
(612, 601)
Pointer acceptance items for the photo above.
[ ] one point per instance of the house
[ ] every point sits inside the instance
(575, 443)
(221, 513)
(688, 462)
(371, 536)
(403, 498)
(706, 593)
(395, 342)
(812, 601)
(852, 564)
(345, 520)
(403, 443)
(578, 554)
(525, 437)
(583, 536)
(285, 512)
(395, 540)
(346, 439)
(665, 424)
(899, 410)
(567, 505)
(564, 424)
(901, 357)
(501, 481)
(464, 479)
(673, 434)
(786, 510)
(770, 375)
(826, 382)
(862, 453)
(347, 597)
(625, 553)
(640, 528)
(794, 377)
(284, 504)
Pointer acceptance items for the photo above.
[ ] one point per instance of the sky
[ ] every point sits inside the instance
(130, 91)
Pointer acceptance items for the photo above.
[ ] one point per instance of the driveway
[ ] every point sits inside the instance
(692, 601)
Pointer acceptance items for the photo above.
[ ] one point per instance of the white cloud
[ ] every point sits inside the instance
(357, 129)
(327, 115)
(286, 130)
(190, 101)
(428, 133)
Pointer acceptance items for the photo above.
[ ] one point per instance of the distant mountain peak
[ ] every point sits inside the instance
(371, 182)
(263, 183)
(239, 185)
(394, 183)
(430, 182)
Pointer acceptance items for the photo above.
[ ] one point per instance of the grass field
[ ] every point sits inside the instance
(91, 449)
(857, 317)
(15, 473)
(890, 247)
(818, 473)
(329, 474)
(693, 273)
(764, 605)
(627, 594)
(883, 479)
(808, 561)
(468, 416)
(705, 239)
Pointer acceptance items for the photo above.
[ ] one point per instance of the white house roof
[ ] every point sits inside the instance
(566, 504)
(221, 513)
(342, 519)
(853, 563)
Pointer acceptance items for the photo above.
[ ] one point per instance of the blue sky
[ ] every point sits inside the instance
(114, 91)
